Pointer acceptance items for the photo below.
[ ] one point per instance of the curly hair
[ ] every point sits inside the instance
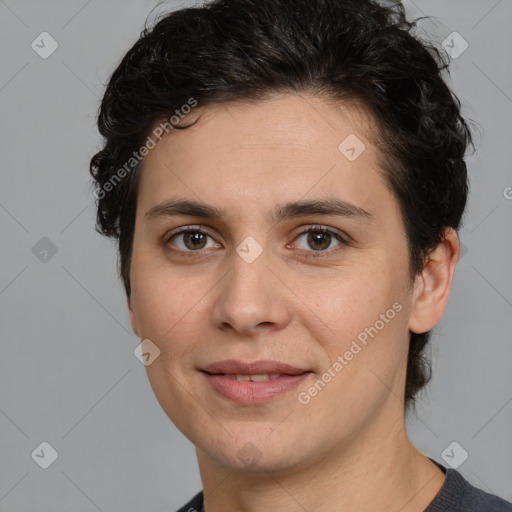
(358, 51)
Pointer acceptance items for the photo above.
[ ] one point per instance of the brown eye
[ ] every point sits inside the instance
(191, 240)
(319, 240)
(194, 240)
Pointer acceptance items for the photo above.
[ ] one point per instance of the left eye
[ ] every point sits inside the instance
(319, 239)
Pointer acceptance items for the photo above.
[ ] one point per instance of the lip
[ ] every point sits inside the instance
(249, 392)
(256, 367)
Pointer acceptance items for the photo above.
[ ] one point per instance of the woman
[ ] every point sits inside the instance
(286, 180)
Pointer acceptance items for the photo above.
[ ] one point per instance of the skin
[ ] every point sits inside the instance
(347, 449)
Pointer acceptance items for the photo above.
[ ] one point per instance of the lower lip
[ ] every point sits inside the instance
(248, 392)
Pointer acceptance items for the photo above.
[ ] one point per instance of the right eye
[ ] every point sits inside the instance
(190, 240)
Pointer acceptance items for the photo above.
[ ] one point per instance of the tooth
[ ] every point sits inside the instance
(255, 377)
(259, 376)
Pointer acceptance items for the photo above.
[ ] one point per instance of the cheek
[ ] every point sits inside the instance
(349, 301)
(365, 356)
(164, 303)
(361, 317)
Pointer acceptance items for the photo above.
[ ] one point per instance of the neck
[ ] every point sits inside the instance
(377, 471)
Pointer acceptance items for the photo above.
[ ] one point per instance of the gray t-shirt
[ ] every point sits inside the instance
(456, 495)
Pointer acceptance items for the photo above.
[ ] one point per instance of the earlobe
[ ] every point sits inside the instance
(432, 287)
(133, 318)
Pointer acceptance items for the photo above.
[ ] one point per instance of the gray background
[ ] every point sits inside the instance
(68, 375)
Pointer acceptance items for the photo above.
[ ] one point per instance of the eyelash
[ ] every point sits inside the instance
(312, 254)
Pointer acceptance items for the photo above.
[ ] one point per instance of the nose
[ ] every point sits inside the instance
(251, 299)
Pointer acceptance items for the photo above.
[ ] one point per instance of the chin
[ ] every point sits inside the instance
(255, 451)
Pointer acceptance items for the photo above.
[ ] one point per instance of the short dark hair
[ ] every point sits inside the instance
(357, 51)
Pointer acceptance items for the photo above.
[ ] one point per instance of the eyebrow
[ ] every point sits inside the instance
(329, 206)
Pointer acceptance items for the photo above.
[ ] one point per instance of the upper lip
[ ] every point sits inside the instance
(255, 368)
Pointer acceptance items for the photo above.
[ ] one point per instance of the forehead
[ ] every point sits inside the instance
(288, 122)
(287, 146)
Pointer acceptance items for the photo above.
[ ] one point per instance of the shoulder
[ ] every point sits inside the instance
(194, 505)
(458, 495)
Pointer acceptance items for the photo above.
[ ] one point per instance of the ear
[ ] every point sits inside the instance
(432, 287)
(133, 318)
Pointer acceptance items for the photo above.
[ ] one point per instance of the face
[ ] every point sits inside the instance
(294, 252)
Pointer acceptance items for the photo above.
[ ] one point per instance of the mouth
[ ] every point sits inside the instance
(252, 383)
(258, 377)
(262, 367)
